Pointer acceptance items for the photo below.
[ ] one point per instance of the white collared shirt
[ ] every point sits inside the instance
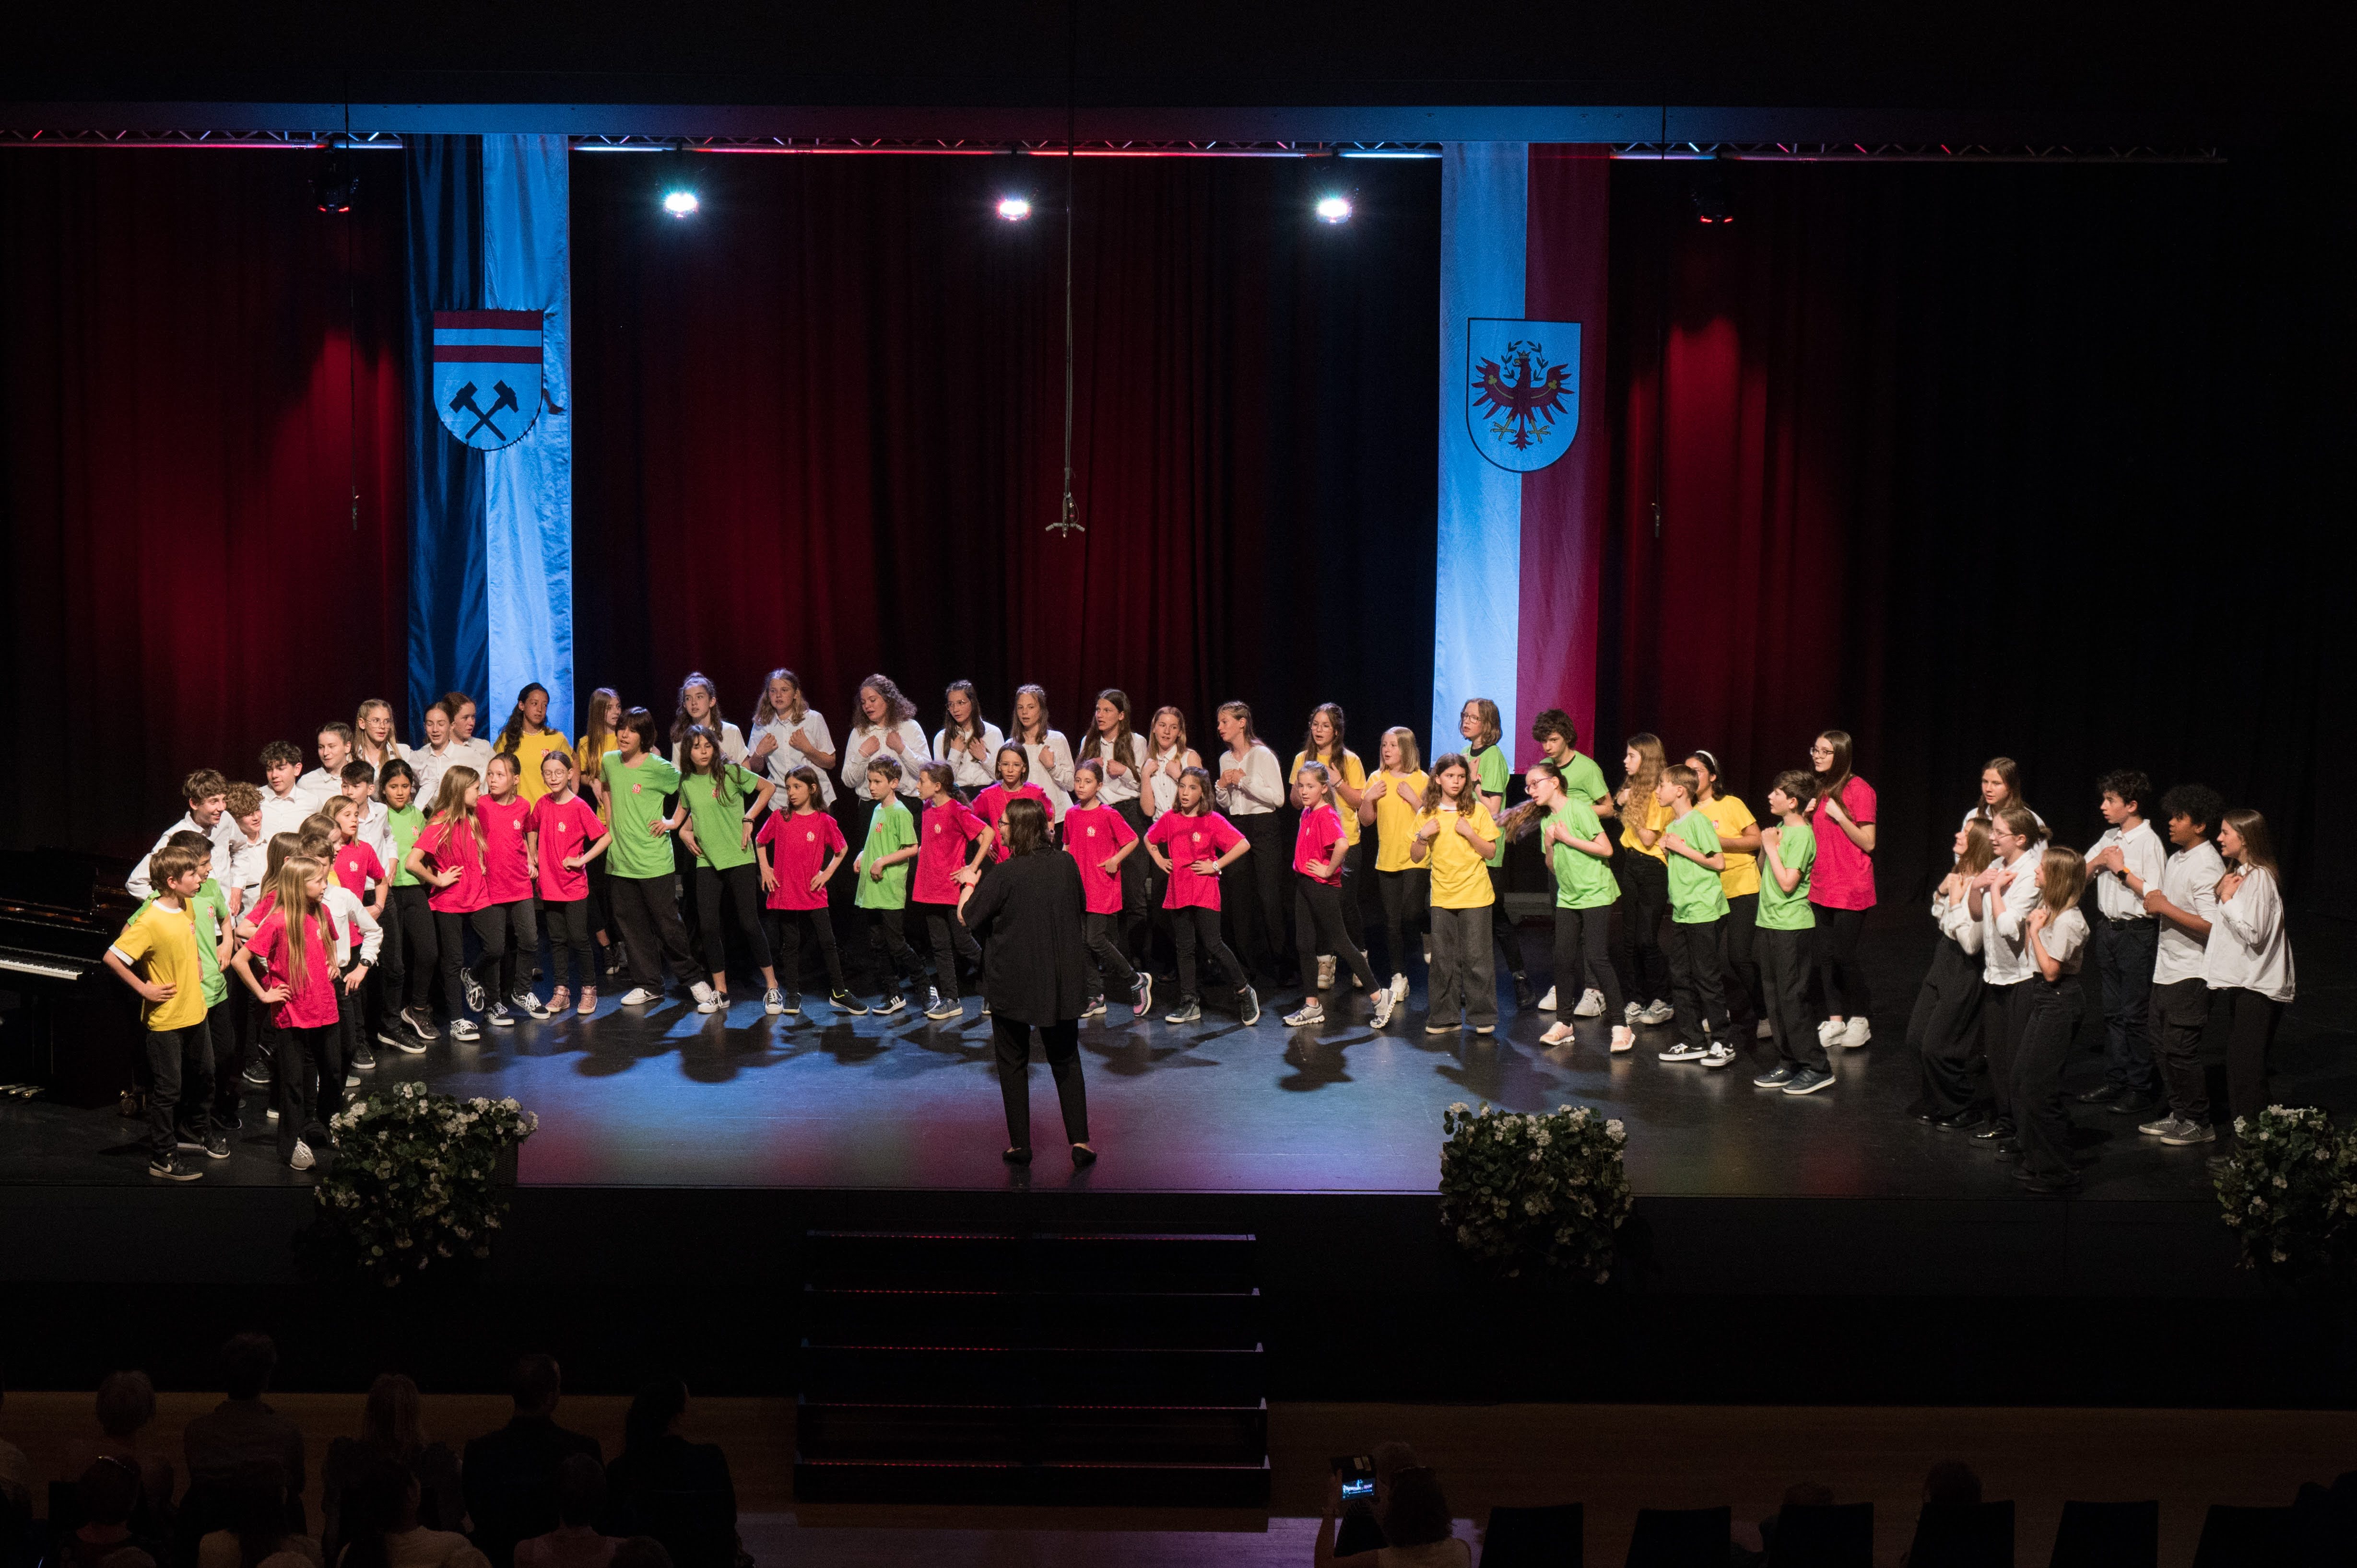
(2005, 937)
(347, 911)
(476, 753)
(2189, 881)
(787, 755)
(429, 765)
(247, 865)
(1055, 780)
(1115, 788)
(732, 747)
(2065, 940)
(1166, 789)
(282, 813)
(911, 755)
(1263, 790)
(968, 773)
(2248, 945)
(2141, 847)
(139, 885)
(317, 787)
(1956, 923)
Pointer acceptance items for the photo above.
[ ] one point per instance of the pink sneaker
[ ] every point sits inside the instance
(560, 999)
(589, 1001)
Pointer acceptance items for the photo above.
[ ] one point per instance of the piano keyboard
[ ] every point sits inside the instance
(44, 965)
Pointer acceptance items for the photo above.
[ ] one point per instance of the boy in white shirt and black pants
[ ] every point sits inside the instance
(2125, 938)
(2184, 903)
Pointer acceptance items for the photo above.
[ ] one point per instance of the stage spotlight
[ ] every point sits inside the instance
(680, 201)
(337, 183)
(1014, 209)
(1334, 208)
(1710, 190)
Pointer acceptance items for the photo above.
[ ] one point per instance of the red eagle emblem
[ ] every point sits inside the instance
(1516, 395)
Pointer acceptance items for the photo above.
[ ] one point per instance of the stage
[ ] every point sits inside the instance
(678, 1146)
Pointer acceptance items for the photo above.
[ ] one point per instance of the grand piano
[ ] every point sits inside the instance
(65, 1023)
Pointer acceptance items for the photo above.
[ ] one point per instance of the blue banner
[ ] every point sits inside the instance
(450, 643)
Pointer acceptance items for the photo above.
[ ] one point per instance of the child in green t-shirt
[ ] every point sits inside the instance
(1697, 908)
(881, 873)
(1787, 849)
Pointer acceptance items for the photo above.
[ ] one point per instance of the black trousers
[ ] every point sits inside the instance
(1583, 947)
(1192, 926)
(1141, 887)
(411, 951)
(1257, 898)
(569, 925)
(2003, 1010)
(180, 1065)
(647, 913)
(310, 1086)
(1113, 969)
(228, 1059)
(450, 943)
(1407, 912)
(601, 898)
(888, 940)
(1319, 926)
(1945, 1030)
(1011, 1044)
(1696, 988)
(738, 890)
(2124, 952)
(1785, 967)
(1739, 964)
(786, 930)
(2251, 1030)
(2041, 1116)
(1645, 904)
(1838, 972)
(1502, 930)
(2181, 1012)
(950, 941)
(512, 935)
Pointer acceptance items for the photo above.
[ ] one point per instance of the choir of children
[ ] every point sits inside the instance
(453, 856)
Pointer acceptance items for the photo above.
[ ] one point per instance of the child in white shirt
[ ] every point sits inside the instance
(2056, 938)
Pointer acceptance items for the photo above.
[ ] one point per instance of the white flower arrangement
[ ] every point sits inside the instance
(2290, 1190)
(413, 1176)
(1544, 1193)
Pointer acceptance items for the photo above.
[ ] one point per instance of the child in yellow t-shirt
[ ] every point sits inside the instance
(1456, 836)
(156, 956)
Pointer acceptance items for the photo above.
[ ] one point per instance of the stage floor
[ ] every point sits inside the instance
(666, 1097)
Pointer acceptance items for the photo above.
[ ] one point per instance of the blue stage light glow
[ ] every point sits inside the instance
(679, 203)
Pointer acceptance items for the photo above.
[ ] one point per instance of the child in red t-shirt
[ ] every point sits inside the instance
(447, 856)
(952, 844)
(1099, 840)
(794, 849)
(1319, 846)
(294, 941)
(507, 873)
(565, 836)
(1203, 843)
(1013, 784)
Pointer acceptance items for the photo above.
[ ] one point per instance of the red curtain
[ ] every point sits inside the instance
(185, 404)
(1963, 459)
(822, 426)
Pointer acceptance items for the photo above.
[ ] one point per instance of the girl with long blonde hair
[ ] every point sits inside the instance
(296, 944)
(1389, 804)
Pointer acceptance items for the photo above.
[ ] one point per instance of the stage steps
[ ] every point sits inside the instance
(1031, 1369)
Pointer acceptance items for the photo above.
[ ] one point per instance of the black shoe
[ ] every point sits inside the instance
(2046, 1184)
(1525, 997)
(1993, 1131)
(1962, 1122)
(2133, 1104)
(2008, 1151)
(1083, 1156)
(2104, 1095)
(1016, 1156)
(1922, 1112)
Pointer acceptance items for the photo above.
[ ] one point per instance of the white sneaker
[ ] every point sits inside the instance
(461, 1029)
(639, 996)
(1624, 1039)
(1829, 1033)
(301, 1158)
(1325, 971)
(1547, 1003)
(1764, 1030)
(1660, 1012)
(711, 1001)
(1399, 989)
(702, 993)
(1718, 1056)
(1858, 1032)
(773, 1002)
(531, 1006)
(1631, 1013)
(1384, 1004)
(1427, 949)
(1591, 1004)
(1309, 1014)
